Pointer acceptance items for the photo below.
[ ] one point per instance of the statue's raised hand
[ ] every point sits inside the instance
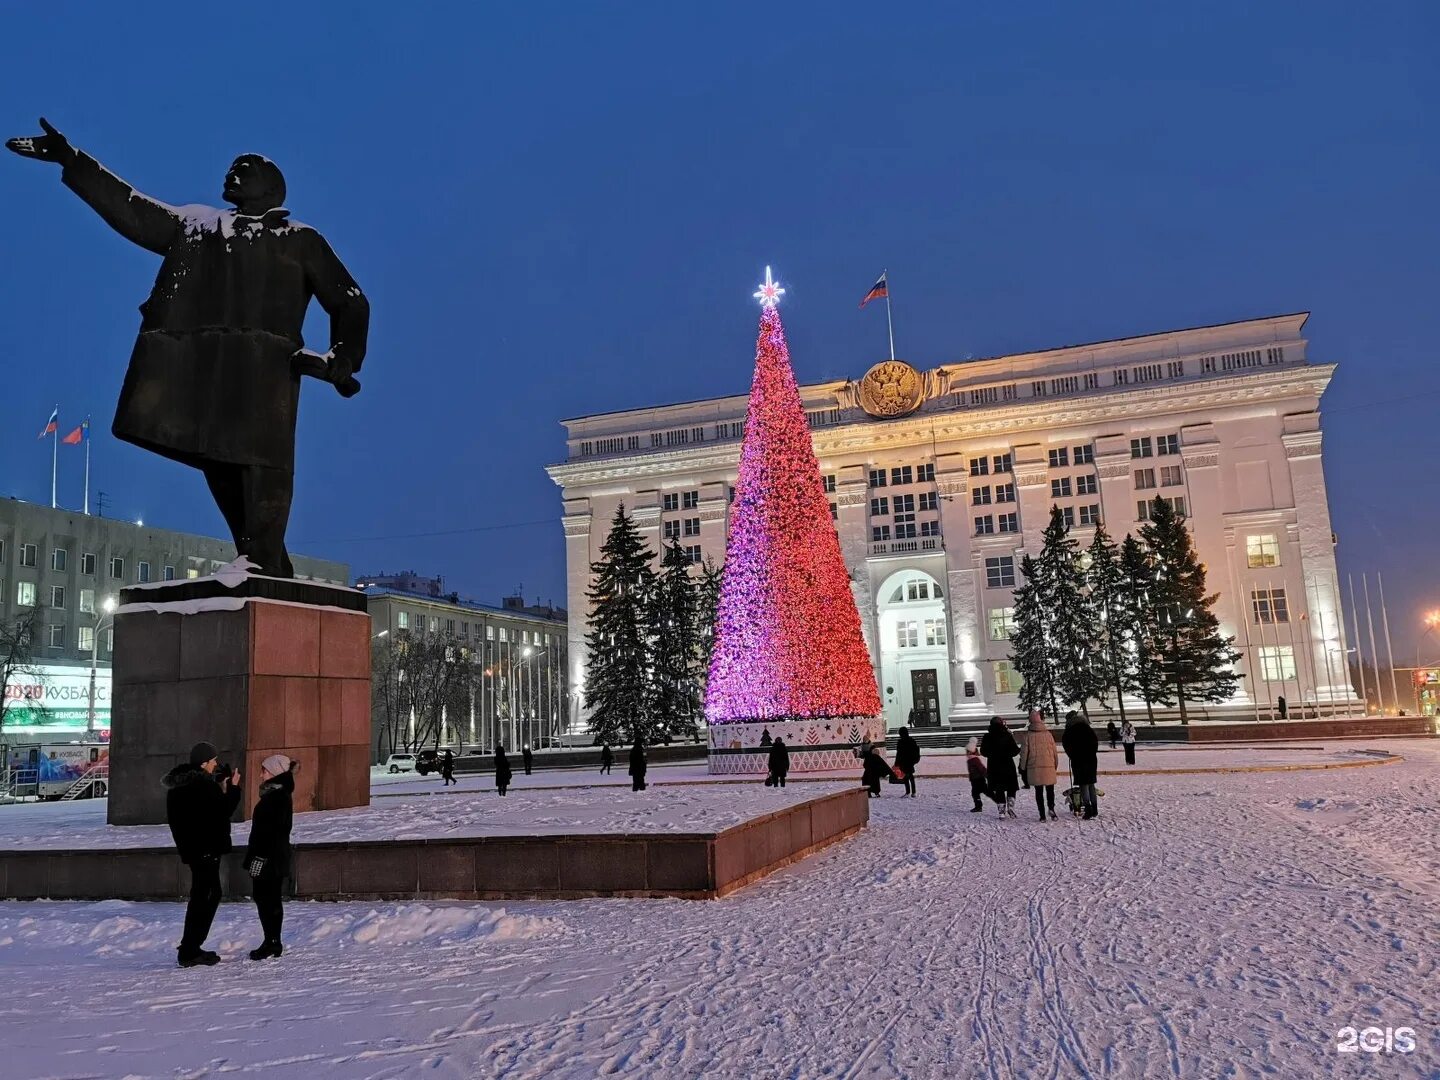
(52, 146)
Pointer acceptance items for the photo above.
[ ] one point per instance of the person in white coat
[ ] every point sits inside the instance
(1040, 761)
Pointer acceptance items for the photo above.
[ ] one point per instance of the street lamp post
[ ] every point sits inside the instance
(106, 613)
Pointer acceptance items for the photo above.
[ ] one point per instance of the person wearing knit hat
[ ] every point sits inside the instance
(267, 859)
(975, 767)
(198, 808)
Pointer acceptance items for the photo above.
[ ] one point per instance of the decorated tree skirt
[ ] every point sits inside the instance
(815, 745)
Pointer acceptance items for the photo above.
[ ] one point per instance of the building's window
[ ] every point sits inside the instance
(56, 635)
(984, 395)
(925, 474)
(87, 639)
(692, 552)
(2, 551)
(87, 601)
(57, 596)
(1002, 623)
(834, 512)
(730, 429)
(1004, 493)
(402, 620)
(1177, 504)
(1003, 463)
(1141, 448)
(1144, 479)
(1038, 388)
(1060, 488)
(1171, 476)
(902, 474)
(1059, 457)
(1084, 455)
(1262, 549)
(504, 633)
(108, 645)
(632, 442)
(1067, 513)
(907, 634)
(450, 627)
(980, 466)
(29, 554)
(1086, 485)
(1092, 380)
(929, 502)
(829, 484)
(904, 504)
(489, 633)
(879, 507)
(1277, 663)
(1248, 358)
(1147, 373)
(1010, 523)
(25, 593)
(905, 529)
(142, 572)
(934, 631)
(929, 528)
(1175, 369)
(671, 529)
(1090, 514)
(191, 573)
(879, 533)
(917, 590)
(985, 525)
(692, 526)
(670, 500)
(980, 496)
(1119, 377)
(58, 558)
(690, 500)
(464, 630)
(822, 417)
(1275, 356)
(1269, 605)
(1000, 572)
(117, 567)
(1167, 444)
(1207, 365)
(1007, 679)
(1065, 384)
(167, 573)
(877, 478)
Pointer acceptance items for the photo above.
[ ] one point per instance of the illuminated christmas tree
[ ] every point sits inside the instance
(788, 644)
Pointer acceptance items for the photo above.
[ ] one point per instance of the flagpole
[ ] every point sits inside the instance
(87, 469)
(889, 323)
(55, 460)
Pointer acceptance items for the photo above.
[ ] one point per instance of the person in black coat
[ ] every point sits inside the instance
(267, 858)
(907, 756)
(1000, 750)
(607, 759)
(502, 770)
(876, 769)
(637, 766)
(447, 768)
(528, 757)
(1083, 750)
(779, 762)
(1112, 731)
(198, 808)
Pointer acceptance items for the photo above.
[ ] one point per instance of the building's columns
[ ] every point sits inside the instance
(1117, 486)
(1032, 495)
(964, 597)
(576, 522)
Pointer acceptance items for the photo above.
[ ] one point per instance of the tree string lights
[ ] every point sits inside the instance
(788, 644)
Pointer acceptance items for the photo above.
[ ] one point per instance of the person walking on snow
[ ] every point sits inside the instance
(528, 757)
(1127, 736)
(1000, 750)
(875, 769)
(1110, 730)
(907, 756)
(447, 768)
(267, 858)
(607, 759)
(637, 765)
(198, 806)
(502, 770)
(1040, 760)
(1083, 750)
(975, 767)
(779, 762)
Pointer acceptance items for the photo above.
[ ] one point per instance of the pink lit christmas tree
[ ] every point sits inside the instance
(788, 644)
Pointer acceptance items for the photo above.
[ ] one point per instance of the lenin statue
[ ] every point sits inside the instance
(214, 378)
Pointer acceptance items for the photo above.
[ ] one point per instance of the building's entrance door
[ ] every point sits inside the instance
(925, 693)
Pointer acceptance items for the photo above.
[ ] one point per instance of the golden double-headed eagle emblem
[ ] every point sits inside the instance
(891, 388)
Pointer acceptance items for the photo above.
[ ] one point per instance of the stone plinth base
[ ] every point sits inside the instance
(257, 667)
(815, 745)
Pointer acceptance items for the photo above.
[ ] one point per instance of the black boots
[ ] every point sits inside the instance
(201, 958)
(266, 950)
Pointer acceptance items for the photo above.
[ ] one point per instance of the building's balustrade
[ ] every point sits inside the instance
(906, 547)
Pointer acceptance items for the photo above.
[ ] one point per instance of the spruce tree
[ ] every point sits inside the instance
(1147, 675)
(1199, 664)
(617, 640)
(707, 605)
(1072, 623)
(1030, 650)
(675, 648)
(1116, 617)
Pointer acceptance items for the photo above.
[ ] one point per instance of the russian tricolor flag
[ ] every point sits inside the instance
(879, 291)
(52, 425)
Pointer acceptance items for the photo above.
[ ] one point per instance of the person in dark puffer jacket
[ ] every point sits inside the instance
(267, 859)
(198, 807)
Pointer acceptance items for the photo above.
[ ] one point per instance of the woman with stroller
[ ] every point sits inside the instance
(1000, 749)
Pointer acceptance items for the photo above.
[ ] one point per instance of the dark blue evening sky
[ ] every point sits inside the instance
(559, 209)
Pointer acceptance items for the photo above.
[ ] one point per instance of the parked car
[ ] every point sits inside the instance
(427, 761)
(398, 763)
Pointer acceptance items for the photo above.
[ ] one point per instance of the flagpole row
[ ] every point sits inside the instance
(55, 460)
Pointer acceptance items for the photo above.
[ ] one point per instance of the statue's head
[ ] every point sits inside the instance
(254, 184)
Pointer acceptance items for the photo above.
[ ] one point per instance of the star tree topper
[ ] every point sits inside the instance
(769, 292)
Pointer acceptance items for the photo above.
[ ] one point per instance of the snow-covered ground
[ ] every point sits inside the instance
(1207, 925)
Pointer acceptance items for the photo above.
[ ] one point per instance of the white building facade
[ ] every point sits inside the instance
(942, 480)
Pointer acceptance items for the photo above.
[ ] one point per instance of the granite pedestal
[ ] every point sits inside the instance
(256, 667)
